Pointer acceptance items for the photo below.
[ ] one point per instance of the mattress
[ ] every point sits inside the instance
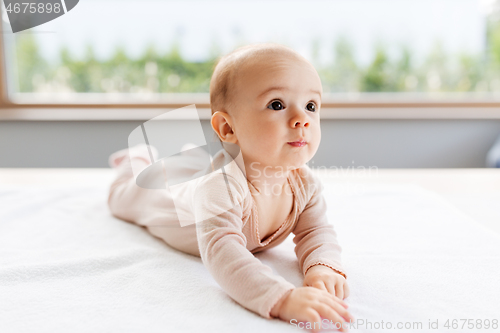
(414, 262)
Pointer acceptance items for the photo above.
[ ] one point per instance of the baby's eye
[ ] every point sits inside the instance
(311, 107)
(275, 105)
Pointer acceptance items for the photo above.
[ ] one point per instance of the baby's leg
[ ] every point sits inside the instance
(151, 208)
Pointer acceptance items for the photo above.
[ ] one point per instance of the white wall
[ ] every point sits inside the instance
(345, 143)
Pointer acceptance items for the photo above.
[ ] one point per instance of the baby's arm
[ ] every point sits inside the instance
(223, 250)
(242, 276)
(315, 239)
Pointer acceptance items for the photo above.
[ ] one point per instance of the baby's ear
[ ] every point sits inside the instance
(221, 123)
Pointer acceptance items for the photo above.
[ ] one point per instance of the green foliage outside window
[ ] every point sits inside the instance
(170, 73)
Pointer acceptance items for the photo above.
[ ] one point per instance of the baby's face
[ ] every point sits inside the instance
(276, 101)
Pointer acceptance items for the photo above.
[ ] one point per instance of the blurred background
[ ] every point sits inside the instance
(408, 84)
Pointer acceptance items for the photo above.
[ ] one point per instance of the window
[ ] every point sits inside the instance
(123, 51)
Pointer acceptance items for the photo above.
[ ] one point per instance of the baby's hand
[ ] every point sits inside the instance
(325, 278)
(307, 304)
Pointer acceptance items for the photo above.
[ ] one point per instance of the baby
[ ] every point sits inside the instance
(265, 99)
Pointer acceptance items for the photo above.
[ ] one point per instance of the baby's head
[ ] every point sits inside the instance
(263, 97)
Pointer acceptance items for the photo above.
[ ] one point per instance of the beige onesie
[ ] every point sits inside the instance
(226, 241)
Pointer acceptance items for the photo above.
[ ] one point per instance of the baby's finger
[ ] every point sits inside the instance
(339, 308)
(336, 299)
(346, 290)
(339, 290)
(327, 312)
(320, 285)
(331, 287)
(312, 316)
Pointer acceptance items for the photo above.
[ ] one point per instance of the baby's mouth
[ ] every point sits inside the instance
(299, 143)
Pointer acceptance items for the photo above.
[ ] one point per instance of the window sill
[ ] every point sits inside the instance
(144, 114)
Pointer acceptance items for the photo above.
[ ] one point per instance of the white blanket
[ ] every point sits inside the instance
(67, 265)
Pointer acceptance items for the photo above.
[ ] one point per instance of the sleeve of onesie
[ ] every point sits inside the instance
(223, 249)
(315, 238)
